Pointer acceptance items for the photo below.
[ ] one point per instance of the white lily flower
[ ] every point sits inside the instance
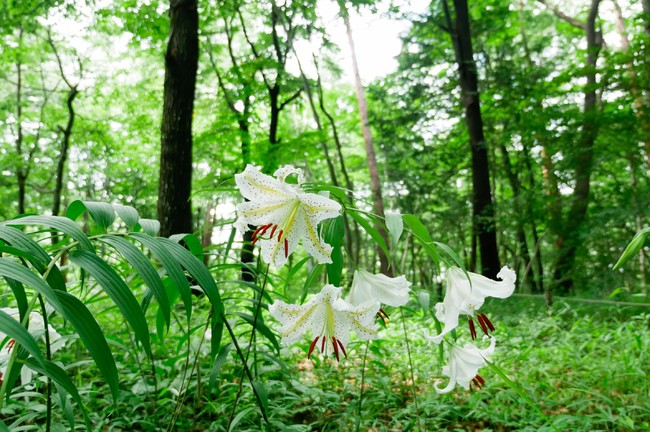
(461, 297)
(464, 363)
(284, 214)
(378, 287)
(37, 330)
(330, 318)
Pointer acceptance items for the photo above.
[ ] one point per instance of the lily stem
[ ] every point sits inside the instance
(411, 370)
(363, 381)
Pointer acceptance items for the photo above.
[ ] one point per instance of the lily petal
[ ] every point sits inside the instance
(464, 363)
(461, 297)
(368, 287)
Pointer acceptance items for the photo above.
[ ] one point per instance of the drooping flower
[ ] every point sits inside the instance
(386, 290)
(37, 330)
(330, 317)
(464, 363)
(395, 224)
(463, 297)
(284, 214)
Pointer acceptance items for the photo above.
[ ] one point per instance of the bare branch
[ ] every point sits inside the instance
(574, 22)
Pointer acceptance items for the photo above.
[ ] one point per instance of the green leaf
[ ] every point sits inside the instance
(117, 290)
(449, 251)
(58, 223)
(261, 327)
(633, 248)
(102, 213)
(19, 294)
(34, 253)
(219, 361)
(313, 275)
(172, 267)
(421, 235)
(333, 234)
(373, 232)
(149, 226)
(13, 329)
(293, 270)
(192, 242)
(128, 214)
(198, 270)
(58, 375)
(260, 388)
(91, 335)
(147, 272)
(76, 313)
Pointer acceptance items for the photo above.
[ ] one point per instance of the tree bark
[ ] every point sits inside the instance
(375, 183)
(483, 208)
(181, 63)
(569, 238)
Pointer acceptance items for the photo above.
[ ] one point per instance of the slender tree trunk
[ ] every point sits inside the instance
(646, 130)
(181, 62)
(65, 147)
(569, 238)
(375, 183)
(483, 207)
(21, 170)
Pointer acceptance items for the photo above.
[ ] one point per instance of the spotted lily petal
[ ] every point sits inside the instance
(284, 214)
(329, 317)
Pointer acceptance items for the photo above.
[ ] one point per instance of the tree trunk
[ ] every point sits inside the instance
(646, 130)
(375, 183)
(63, 157)
(181, 62)
(21, 174)
(483, 208)
(569, 238)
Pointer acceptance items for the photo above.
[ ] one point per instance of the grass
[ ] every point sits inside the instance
(584, 367)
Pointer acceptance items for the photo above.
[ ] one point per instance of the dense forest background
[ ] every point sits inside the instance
(508, 133)
(564, 91)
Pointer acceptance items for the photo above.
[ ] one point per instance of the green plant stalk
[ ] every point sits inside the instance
(363, 381)
(48, 353)
(25, 321)
(248, 350)
(408, 353)
(246, 369)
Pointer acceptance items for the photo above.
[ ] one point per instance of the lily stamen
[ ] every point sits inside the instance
(472, 328)
(336, 349)
(488, 322)
(481, 322)
(312, 346)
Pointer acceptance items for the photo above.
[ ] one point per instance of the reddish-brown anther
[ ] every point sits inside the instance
(286, 248)
(312, 346)
(481, 322)
(472, 329)
(280, 236)
(342, 347)
(488, 322)
(273, 231)
(336, 349)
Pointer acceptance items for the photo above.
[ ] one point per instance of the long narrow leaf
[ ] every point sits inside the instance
(146, 271)
(76, 313)
(37, 255)
(13, 329)
(118, 291)
(59, 376)
(58, 223)
(102, 213)
(91, 335)
(128, 214)
(372, 231)
(171, 266)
